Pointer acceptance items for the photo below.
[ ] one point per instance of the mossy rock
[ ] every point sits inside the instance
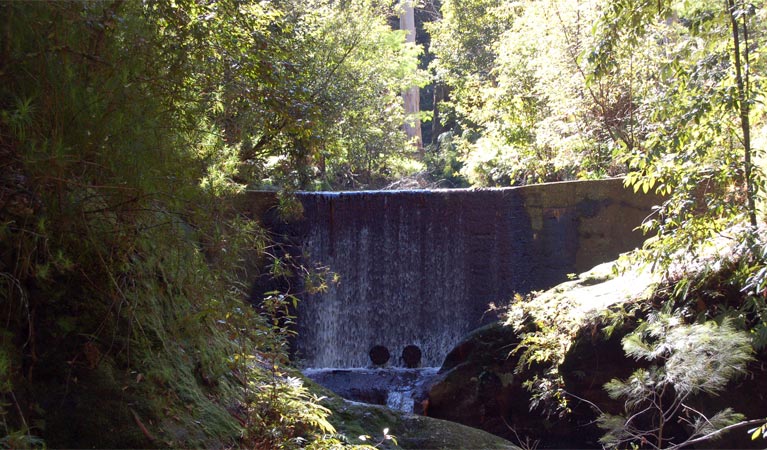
(411, 431)
(354, 419)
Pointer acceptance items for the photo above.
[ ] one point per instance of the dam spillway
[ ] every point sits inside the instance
(420, 267)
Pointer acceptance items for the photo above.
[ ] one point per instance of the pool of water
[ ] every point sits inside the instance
(397, 388)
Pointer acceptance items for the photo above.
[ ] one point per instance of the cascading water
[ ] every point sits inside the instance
(419, 268)
(416, 268)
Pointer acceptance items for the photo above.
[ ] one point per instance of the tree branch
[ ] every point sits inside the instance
(716, 433)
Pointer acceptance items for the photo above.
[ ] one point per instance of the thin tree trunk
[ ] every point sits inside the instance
(745, 124)
(440, 91)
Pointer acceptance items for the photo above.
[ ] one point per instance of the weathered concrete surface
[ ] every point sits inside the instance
(420, 267)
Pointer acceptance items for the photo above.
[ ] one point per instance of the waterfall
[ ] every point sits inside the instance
(420, 267)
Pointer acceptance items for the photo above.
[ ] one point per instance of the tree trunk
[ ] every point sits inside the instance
(440, 94)
(411, 96)
(744, 109)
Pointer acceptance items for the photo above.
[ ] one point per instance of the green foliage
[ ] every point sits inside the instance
(282, 412)
(547, 325)
(684, 360)
(127, 131)
(333, 111)
(698, 129)
(463, 41)
(528, 115)
(443, 162)
(463, 44)
(694, 115)
(750, 277)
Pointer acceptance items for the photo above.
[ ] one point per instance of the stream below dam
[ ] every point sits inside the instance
(397, 388)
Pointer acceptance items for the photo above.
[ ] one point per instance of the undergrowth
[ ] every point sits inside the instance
(123, 259)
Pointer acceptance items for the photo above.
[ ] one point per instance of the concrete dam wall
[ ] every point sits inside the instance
(420, 267)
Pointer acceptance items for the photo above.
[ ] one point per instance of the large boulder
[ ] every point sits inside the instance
(353, 419)
(477, 385)
(481, 383)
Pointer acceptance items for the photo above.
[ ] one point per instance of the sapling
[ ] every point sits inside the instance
(684, 360)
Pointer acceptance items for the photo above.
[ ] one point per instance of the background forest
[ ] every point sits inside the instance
(129, 131)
